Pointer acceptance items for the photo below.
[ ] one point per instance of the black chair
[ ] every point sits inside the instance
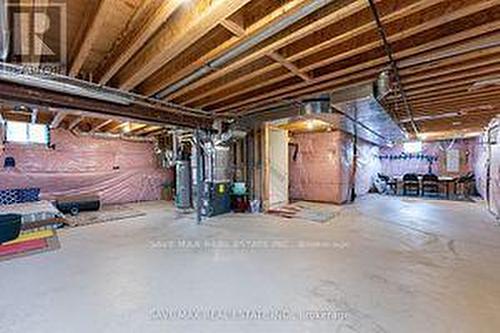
(430, 184)
(411, 184)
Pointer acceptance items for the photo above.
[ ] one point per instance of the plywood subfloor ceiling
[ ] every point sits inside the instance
(199, 53)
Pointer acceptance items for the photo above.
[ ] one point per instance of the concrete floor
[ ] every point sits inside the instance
(383, 265)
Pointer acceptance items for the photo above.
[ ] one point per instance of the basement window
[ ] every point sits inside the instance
(21, 132)
(412, 147)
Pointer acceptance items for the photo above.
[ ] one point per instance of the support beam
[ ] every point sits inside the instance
(186, 29)
(157, 132)
(59, 117)
(126, 50)
(29, 95)
(119, 126)
(149, 130)
(138, 128)
(75, 122)
(101, 125)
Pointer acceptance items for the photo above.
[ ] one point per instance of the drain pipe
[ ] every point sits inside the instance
(4, 30)
(394, 65)
(245, 46)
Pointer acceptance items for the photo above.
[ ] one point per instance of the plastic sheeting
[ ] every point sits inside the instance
(323, 167)
(487, 166)
(481, 165)
(398, 167)
(118, 171)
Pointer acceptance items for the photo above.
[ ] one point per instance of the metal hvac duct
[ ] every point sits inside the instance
(245, 46)
(364, 114)
(4, 30)
(355, 110)
(320, 105)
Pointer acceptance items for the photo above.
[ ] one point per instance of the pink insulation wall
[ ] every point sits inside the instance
(399, 167)
(119, 171)
(481, 160)
(322, 169)
(487, 163)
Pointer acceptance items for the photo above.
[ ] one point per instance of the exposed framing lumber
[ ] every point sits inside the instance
(290, 66)
(105, 9)
(119, 126)
(452, 42)
(404, 34)
(159, 131)
(138, 128)
(147, 130)
(75, 123)
(58, 118)
(160, 80)
(126, 50)
(330, 19)
(233, 27)
(393, 16)
(42, 97)
(179, 34)
(101, 125)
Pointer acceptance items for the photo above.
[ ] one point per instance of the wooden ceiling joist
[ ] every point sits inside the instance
(104, 10)
(416, 54)
(163, 78)
(130, 46)
(336, 16)
(204, 54)
(337, 39)
(179, 33)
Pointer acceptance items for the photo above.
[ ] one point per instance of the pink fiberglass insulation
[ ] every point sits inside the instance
(494, 198)
(118, 171)
(481, 164)
(323, 167)
(488, 166)
(399, 166)
(368, 167)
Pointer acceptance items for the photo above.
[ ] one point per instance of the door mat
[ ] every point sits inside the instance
(304, 211)
(30, 243)
(105, 214)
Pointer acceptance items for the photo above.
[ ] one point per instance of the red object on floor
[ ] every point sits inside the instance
(31, 245)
